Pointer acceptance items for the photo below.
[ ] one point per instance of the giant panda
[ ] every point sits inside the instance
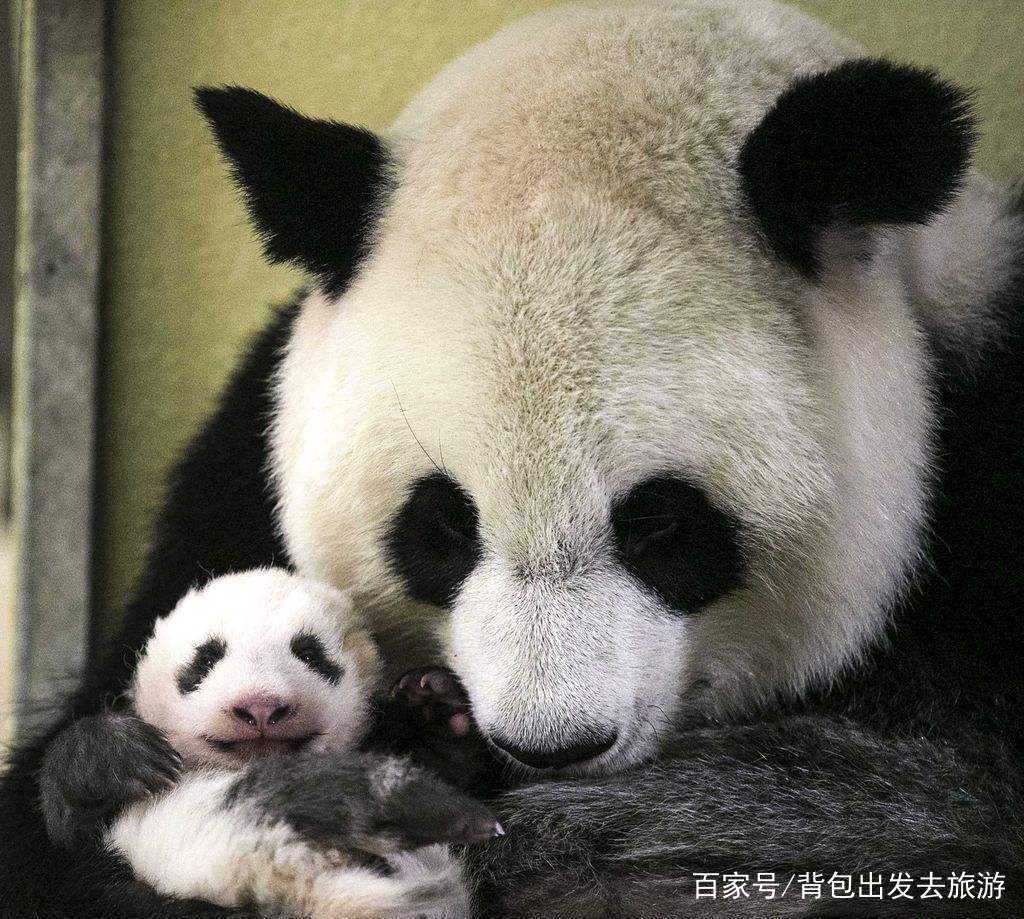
(660, 372)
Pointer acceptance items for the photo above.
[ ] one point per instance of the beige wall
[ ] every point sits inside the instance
(184, 284)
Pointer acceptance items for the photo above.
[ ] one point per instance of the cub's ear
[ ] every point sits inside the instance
(869, 142)
(311, 187)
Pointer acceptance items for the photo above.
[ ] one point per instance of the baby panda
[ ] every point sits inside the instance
(249, 687)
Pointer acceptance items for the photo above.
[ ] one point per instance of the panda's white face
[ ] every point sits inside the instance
(571, 401)
(641, 492)
(615, 414)
(255, 663)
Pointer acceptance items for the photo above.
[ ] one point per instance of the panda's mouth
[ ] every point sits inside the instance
(251, 747)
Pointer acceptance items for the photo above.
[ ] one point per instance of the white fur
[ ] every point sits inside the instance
(960, 260)
(188, 842)
(564, 297)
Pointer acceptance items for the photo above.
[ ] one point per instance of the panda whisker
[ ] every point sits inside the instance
(419, 443)
(440, 452)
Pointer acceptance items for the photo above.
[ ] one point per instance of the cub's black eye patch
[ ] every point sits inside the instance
(203, 661)
(432, 542)
(672, 539)
(311, 651)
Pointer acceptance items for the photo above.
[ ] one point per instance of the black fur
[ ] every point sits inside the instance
(222, 476)
(432, 542)
(95, 768)
(312, 187)
(310, 650)
(812, 793)
(373, 803)
(868, 142)
(676, 542)
(206, 657)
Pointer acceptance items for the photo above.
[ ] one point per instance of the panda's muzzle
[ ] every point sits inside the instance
(556, 758)
(260, 724)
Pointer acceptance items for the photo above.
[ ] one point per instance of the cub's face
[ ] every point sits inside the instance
(256, 663)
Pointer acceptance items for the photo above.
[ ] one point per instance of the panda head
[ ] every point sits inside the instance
(255, 663)
(612, 380)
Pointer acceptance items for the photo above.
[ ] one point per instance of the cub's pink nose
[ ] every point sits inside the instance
(261, 712)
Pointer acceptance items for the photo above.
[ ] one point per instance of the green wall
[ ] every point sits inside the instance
(183, 282)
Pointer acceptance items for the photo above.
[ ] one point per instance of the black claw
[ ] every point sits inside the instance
(473, 830)
(438, 682)
(431, 686)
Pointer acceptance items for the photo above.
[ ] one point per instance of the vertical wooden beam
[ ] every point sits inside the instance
(8, 205)
(62, 79)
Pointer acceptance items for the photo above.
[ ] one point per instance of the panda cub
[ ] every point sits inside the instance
(244, 678)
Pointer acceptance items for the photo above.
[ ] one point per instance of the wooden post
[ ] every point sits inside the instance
(61, 101)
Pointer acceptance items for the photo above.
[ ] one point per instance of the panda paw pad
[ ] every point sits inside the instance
(437, 695)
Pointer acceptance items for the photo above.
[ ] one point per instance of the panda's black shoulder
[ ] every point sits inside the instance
(218, 513)
(956, 641)
(977, 536)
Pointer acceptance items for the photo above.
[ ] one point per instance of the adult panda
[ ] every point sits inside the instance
(661, 370)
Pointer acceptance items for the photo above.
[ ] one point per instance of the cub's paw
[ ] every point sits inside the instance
(437, 697)
(412, 807)
(96, 767)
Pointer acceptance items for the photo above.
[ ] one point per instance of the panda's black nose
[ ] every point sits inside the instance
(560, 757)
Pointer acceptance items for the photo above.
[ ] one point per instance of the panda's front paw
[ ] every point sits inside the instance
(437, 696)
(96, 767)
(427, 716)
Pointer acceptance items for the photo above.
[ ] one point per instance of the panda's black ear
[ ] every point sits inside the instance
(869, 142)
(311, 186)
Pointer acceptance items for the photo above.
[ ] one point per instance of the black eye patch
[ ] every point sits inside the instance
(432, 542)
(203, 661)
(672, 539)
(311, 651)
